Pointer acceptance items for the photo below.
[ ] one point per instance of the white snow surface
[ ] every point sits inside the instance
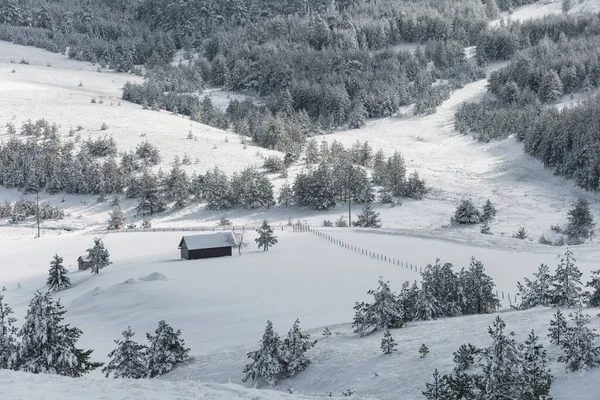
(547, 7)
(208, 240)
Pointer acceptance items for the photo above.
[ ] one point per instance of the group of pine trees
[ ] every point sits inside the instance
(506, 369)
(278, 359)
(442, 293)
(577, 342)
(563, 289)
(24, 208)
(132, 360)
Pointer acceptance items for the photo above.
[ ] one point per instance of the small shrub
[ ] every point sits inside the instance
(485, 229)
(341, 222)
(104, 126)
(93, 101)
(423, 350)
(327, 223)
(146, 224)
(556, 228)
(544, 240)
(274, 164)
(224, 221)
(13, 71)
(79, 128)
(80, 84)
(521, 233)
(24, 61)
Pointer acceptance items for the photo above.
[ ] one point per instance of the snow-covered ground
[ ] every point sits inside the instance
(548, 7)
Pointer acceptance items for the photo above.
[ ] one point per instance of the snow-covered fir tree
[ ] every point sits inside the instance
(581, 222)
(536, 375)
(408, 300)
(326, 332)
(489, 211)
(117, 218)
(368, 218)
(436, 390)
(477, 287)
(427, 306)
(423, 350)
(46, 345)
(128, 359)
(266, 238)
(388, 344)
(293, 350)
(567, 289)
(537, 291)
(558, 328)
(150, 200)
(594, 285)
(579, 349)
(443, 285)
(502, 364)
(166, 350)
(8, 332)
(464, 357)
(98, 256)
(267, 362)
(286, 195)
(57, 278)
(178, 187)
(384, 313)
(466, 213)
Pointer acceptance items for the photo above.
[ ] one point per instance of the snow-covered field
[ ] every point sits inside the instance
(548, 7)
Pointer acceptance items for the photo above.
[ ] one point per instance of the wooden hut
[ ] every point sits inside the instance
(216, 244)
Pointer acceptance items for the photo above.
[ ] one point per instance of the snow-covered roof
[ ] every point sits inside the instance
(207, 241)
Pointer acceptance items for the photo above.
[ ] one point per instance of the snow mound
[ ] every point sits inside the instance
(155, 276)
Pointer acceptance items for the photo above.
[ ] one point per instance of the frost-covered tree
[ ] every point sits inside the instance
(537, 291)
(117, 218)
(489, 211)
(436, 390)
(286, 195)
(558, 328)
(594, 284)
(237, 240)
(293, 350)
(46, 345)
(368, 218)
(464, 357)
(551, 87)
(150, 199)
(423, 350)
(567, 289)
(98, 256)
(427, 305)
(466, 213)
(581, 222)
(57, 278)
(477, 287)
(536, 376)
(502, 364)
(384, 313)
(388, 344)
(128, 359)
(579, 350)
(8, 332)
(166, 350)
(266, 238)
(267, 362)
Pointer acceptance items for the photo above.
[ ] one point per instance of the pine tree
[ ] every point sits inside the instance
(388, 344)
(594, 296)
(536, 377)
(98, 256)
(293, 350)
(558, 328)
(566, 5)
(551, 87)
(477, 290)
(368, 218)
(489, 211)
(385, 312)
(466, 213)
(46, 345)
(326, 332)
(128, 359)
(58, 275)
(502, 364)
(166, 350)
(567, 284)
(286, 195)
(464, 357)
(579, 350)
(267, 362)
(266, 238)
(581, 222)
(427, 306)
(8, 332)
(436, 390)
(117, 218)
(423, 350)
(536, 292)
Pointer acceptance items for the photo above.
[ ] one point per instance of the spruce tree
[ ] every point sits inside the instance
(8, 332)
(166, 350)
(286, 195)
(581, 222)
(567, 289)
(489, 211)
(57, 278)
(551, 87)
(47, 346)
(536, 376)
(266, 238)
(388, 344)
(98, 256)
(579, 350)
(368, 218)
(267, 362)
(128, 359)
(423, 350)
(477, 290)
(466, 213)
(384, 313)
(594, 284)
(558, 328)
(294, 349)
(436, 390)
(537, 291)
(464, 357)
(427, 306)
